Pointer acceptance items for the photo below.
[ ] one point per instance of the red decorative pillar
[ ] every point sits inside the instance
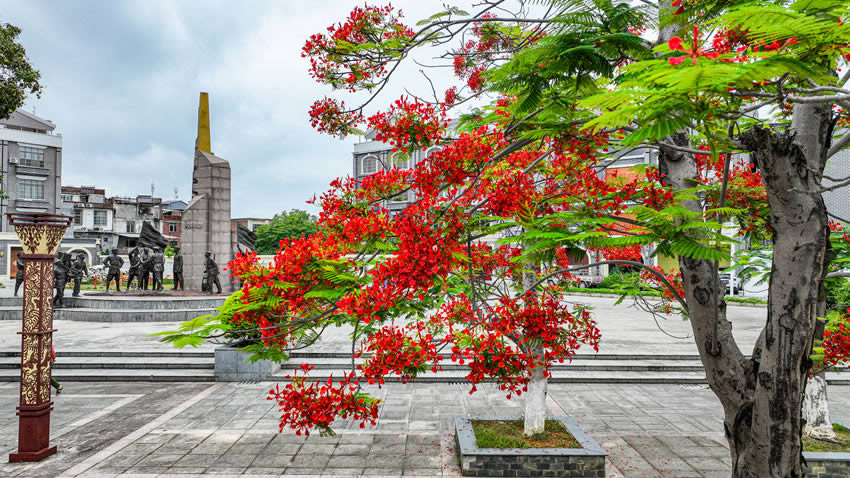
(40, 235)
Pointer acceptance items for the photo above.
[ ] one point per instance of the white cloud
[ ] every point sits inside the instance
(122, 82)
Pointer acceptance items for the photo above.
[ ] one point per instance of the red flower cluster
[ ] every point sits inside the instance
(694, 52)
(836, 342)
(405, 352)
(333, 59)
(410, 125)
(329, 116)
(304, 405)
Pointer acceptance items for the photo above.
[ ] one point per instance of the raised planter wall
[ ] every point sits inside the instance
(232, 365)
(585, 462)
(827, 465)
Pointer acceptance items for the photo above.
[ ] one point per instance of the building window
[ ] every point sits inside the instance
(67, 198)
(403, 197)
(100, 218)
(131, 226)
(31, 156)
(256, 226)
(401, 161)
(369, 165)
(78, 217)
(30, 189)
(172, 227)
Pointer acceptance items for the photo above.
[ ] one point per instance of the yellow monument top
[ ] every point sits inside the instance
(203, 141)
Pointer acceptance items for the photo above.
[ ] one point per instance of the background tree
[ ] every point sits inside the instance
(18, 78)
(294, 224)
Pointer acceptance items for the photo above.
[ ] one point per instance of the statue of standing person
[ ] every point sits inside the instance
(145, 267)
(19, 275)
(78, 271)
(211, 272)
(61, 267)
(114, 263)
(134, 272)
(178, 269)
(157, 268)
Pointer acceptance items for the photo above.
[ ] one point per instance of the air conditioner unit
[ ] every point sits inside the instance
(95, 229)
(13, 160)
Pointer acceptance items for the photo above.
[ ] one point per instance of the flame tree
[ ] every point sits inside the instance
(569, 87)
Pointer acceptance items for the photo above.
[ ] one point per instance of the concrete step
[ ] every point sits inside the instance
(128, 375)
(115, 315)
(86, 301)
(118, 353)
(561, 376)
(644, 365)
(119, 363)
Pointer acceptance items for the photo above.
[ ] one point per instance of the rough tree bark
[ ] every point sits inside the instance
(762, 397)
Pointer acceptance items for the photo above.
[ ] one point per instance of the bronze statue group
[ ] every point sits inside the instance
(146, 268)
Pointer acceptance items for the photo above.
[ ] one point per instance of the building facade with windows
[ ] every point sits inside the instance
(31, 168)
(172, 217)
(31, 165)
(371, 156)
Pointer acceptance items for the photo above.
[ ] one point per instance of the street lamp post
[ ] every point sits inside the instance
(40, 235)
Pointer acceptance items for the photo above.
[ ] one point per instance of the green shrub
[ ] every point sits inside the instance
(616, 280)
(837, 293)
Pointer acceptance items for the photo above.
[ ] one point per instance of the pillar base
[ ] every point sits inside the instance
(25, 456)
(33, 433)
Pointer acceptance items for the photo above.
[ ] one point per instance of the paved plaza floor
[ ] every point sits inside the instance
(625, 330)
(151, 430)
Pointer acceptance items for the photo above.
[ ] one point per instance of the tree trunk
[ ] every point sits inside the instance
(816, 410)
(535, 398)
(762, 398)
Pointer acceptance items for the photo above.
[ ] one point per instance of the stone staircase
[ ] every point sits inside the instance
(198, 366)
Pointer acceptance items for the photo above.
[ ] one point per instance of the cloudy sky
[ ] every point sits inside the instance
(122, 79)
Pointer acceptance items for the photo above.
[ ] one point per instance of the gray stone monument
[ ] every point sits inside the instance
(206, 220)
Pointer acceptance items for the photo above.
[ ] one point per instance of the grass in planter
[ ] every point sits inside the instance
(843, 445)
(508, 434)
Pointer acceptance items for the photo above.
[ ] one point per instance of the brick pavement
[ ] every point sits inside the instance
(150, 430)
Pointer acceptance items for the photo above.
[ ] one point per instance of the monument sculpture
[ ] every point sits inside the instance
(206, 220)
(211, 274)
(19, 275)
(157, 268)
(134, 272)
(178, 270)
(145, 265)
(61, 272)
(114, 263)
(78, 271)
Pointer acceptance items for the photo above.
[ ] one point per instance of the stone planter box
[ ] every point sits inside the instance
(827, 464)
(232, 365)
(585, 462)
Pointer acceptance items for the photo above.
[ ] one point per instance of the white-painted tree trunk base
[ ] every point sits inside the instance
(816, 410)
(535, 403)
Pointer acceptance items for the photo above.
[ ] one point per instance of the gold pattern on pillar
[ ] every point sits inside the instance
(40, 235)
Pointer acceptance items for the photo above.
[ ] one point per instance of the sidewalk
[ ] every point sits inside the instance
(154, 430)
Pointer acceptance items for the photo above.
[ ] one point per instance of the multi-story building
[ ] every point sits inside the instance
(31, 165)
(371, 156)
(113, 223)
(31, 168)
(172, 216)
(129, 215)
(91, 210)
